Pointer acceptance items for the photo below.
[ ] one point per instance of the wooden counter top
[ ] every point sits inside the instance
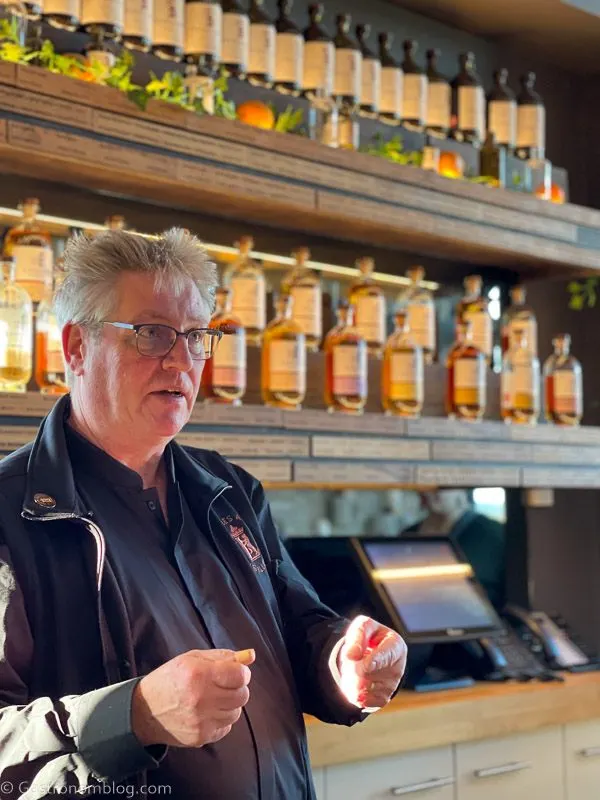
(418, 721)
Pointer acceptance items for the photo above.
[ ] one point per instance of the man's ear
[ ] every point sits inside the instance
(75, 345)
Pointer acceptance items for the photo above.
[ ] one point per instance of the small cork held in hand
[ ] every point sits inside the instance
(246, 657)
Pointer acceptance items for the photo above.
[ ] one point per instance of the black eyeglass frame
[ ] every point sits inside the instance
(211, 332)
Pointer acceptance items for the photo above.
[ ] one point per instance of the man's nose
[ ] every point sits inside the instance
(179, 357)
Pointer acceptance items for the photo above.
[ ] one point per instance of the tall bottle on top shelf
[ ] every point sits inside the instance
(474, 309)
(103, 19)
(392, 82)
(402, 376)
(248, 292)
(520, 382)
(347, 82)
(202, 36)
(168, 29)
(519, 317)
(261, 64)
(31, 247)
(283, 365)
(414, 102)
(502, 111)
(368, 301)
(224, 375)
(235, 38)
(63, 14)
(16, 331)
(346, 376)
(465, 377)
(319, 59)
(468, 102)
(492, 161)
(563, 384)
(49, 362)
(289, 51)
(115, 222)
(304, 287)
(370, 91)
(138, 25)
(439, 98)
(531, 120)
(416, 301)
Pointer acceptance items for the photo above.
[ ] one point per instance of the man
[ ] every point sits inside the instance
(134, 571)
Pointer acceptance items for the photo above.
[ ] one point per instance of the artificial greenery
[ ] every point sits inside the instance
(289, 120)
(392, 150)
(583, 294)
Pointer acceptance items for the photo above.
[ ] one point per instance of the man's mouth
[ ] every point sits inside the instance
(170, 392)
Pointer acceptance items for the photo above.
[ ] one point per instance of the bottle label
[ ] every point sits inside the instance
(287, 366)
(289, 58)
(392, 82)
(370, 317)
(54, 353)
(306, 310)
(439, 102)
(348, 133)
(520, 386)
(229, 361)
(567, 391)
(236, 37)
(471, 109)
(531, 127)
(203, 25)
(421, 322)
(481, 330)
(138, 18)
(406, 376)
(19, 331)
(469, 373)
(168, 23)
(330, 133)
(348, 73)
(349, 369)
(523, 326)
(111, 12)
(262, 49)
(248, 301)
(318, 67)
(70, 8)
(414, 103)
(370, 83)
(33, 264)
(502, 121)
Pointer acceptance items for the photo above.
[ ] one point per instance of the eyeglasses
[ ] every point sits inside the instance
(157, 341)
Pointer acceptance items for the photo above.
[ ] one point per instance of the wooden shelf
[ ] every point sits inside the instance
(58, 128)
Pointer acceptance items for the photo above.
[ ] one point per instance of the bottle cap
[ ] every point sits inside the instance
(501, 76)
(315, 11)
(473, 283)
(385, 39)
(343, 22)
(416, 274)
(363, 31)
(245, 244)
(301, 254)
(366, 265)
(518, 294)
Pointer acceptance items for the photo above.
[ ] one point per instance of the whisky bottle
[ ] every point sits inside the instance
(417, 303)
(468, 99)
(492, 161)
(402, 386)
(248, 291)
(345, 365)
(414, 102)
(235, 42)
(202, 35)
(465, 377)
(283, 364)
(502, 111)
(319, 59)
(368, 301)
(62, 14)
(224, 375)
(168, 31)
(520, 383)
(439, 98)
(16, 332)
(49, 370)
(563, 384)
(289, 51)
(348, 65)
(519, 317)
(473, 308)
(31, 247)
(138, 25)
(115, 222)
(104, 18)
(531, 121)
(392, 82)
(370, 90)
(304, 287)
(261, 66)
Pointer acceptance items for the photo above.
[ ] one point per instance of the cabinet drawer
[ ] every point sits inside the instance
(319, 781)
(426, 773)
(519, 767)
(582, 760)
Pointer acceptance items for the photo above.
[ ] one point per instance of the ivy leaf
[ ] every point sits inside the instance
(576, 302)
(574, 287)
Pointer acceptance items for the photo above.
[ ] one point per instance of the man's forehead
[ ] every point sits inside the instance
(140, 295)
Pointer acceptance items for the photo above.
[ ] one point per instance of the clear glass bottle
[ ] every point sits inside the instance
(439, 98)
(392, 82)
(465, 377)
(346, 365)
(261, 63)
(168, 30)
(116, 222)
(368, 301)
(418, 304)
(16, 332)
(31, 247)
(371, 75)
(289, 51)
(248, 291)
(414, 102)
(502, 111)
(474, 308)
(62, 14)
(563, 384)
(104, 19)
(138, 25)
(531, 121)
(402, 379)
(468, 102)
(49, 371)
(224, 375)
(203, 26)
(492, 161)
(519, 317)
(283, 365)
(319, 60)
(520, 383)
(304, 286)
(235, 41)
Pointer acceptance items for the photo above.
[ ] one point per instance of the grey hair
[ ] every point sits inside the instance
(93, 264)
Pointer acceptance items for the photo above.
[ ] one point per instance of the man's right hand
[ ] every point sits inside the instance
(193, 699)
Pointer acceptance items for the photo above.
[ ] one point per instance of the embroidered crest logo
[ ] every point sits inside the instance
(237, 532)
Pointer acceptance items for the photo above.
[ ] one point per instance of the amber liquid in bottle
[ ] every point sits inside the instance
(520, 383)
(519, 317)
(283, 366)
(563, 384)
(304, 286)
(16, 332)
(345, 365)
(49, 370)
(368, 301)
(473, 308)
(224, 375)
(417, 301)
(402, 373)
(31, 247)
(465, 378)
(248, 291)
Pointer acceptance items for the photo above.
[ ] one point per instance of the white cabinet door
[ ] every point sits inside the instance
(426, 774)
(319, 781)
(582, 761)
(525, 766)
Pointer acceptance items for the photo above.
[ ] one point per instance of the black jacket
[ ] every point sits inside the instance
(64, 703)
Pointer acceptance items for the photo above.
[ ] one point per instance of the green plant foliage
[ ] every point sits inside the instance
(583, 294)
(289, 120)
(392, 150)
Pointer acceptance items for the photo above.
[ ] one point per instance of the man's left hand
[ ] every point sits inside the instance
(371, 663)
